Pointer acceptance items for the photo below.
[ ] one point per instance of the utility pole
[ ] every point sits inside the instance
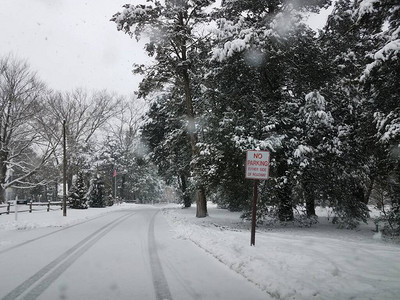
(64, 171)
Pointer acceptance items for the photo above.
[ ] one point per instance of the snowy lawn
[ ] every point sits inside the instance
(321, 262)
(41, 218)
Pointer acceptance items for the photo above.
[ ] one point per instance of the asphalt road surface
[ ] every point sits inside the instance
(127, 254)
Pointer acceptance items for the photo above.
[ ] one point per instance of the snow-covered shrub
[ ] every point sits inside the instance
(302, 220)
(96, 195)
(349, 212)
(110, 200)
(77, 193)
(390, 222)
(391, 219)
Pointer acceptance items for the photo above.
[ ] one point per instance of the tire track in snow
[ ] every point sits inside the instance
(63, 261)
(159, 281)
(48, 234)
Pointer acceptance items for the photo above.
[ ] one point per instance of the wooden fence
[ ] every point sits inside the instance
(30, 206)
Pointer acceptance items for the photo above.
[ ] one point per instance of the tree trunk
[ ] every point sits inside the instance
(201, 197)
(285, 207)
(122, 189)
(309, 194)
(359, 194)
(2, 194)
(369, 190)
(3, 171)
(201, 210)
(187, 202)
(200, 191)
(310, 207)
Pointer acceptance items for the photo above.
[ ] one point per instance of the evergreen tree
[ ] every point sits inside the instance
(77, 193)
(97, 197)
(316, 145)
(164, 132)
(268, 61)
(361, 38)
(127, 153)
(380, 22)
(176, 45)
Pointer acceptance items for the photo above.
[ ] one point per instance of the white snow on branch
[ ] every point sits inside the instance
(231, 47)
(130, 12)
(366, 7)
(302, 150)
(388, 125)
(392, 47)
(315, 109)
(386, 52)
(317, 99)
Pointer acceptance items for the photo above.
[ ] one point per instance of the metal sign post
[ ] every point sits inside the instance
(257, 168)
(254, 215)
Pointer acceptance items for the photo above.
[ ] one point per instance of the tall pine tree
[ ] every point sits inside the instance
(97, 197)
(78, 193)
(175, 45)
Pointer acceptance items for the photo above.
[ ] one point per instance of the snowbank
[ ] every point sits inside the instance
(321, 262)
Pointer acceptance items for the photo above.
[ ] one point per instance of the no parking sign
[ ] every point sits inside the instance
(257, 168)
(257, 164)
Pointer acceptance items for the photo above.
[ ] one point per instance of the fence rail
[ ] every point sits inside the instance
(29, 207)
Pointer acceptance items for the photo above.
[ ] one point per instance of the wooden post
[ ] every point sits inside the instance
(254, 215)
(48, 206)
(8, 207)
(16, 208)
(30, 206)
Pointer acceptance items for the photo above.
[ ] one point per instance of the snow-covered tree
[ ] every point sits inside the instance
(77, 194)
(266, 61)
(316, 145)
(176, 43)
(360, 36)
(379, 81)
(97, 196)
(85, 113)
(164, 133)
(23, 151)
(125, 151)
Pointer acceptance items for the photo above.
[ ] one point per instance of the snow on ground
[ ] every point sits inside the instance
(41, 218)
(321, 262)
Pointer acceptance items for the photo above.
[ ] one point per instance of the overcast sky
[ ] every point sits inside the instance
(72, 43)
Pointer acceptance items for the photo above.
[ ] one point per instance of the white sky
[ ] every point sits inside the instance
(71, 43)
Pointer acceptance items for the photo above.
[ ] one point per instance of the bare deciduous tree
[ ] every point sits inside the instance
(22, 150)
(84, 114)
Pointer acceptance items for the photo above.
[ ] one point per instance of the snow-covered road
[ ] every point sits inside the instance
(124, 254)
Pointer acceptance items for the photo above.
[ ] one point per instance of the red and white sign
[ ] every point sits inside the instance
(257, 164)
